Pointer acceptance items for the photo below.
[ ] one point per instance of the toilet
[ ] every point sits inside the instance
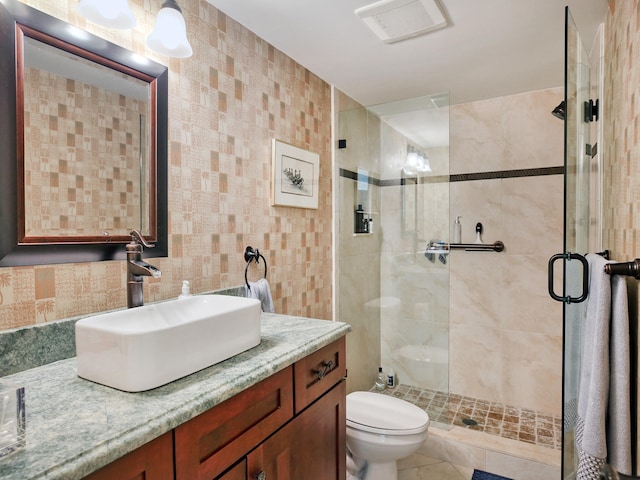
(381, 430)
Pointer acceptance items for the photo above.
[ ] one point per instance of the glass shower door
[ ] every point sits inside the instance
(576, 228)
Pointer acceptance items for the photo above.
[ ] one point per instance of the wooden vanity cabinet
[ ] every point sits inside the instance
(307, 441)
(290, 426)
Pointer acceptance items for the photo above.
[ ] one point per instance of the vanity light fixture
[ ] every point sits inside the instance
(169, 36)
(424, 165)
(108, 13)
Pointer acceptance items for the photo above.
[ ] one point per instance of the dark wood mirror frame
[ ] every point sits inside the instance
(17, 20)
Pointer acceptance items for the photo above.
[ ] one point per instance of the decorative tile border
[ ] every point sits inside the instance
(457, 177)
(519, 173)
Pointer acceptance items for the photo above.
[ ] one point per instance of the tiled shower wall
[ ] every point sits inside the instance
(226, 104)
(506, 332)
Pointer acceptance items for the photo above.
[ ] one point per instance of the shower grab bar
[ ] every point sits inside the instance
(478, 247)
(629, 269)
(437, 247)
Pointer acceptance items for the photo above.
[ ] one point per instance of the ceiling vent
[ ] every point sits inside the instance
(395, 20)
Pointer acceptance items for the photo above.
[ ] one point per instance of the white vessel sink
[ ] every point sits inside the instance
(142, 348)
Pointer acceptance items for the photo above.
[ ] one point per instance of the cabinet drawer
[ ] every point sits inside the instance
(210, 443)
(318, 372)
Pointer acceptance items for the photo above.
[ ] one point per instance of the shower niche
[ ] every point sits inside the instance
(362, 215)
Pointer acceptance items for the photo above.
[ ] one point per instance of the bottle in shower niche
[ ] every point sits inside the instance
(358, 219)
(457, 231)
(381, 380)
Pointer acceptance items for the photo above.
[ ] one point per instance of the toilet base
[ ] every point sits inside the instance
(382, 471)
(358, 469)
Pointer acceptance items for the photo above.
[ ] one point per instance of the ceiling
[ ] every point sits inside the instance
(489, 49)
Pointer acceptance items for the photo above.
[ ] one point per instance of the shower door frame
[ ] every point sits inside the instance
(577, 189)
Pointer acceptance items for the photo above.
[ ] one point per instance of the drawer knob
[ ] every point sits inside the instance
(260, 476)
(326, 368)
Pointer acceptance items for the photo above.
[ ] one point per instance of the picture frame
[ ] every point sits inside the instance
(295, 174)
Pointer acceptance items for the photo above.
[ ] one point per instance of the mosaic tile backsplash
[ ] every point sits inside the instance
(226, 104)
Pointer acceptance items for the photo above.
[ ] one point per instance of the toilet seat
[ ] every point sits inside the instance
(384, 415)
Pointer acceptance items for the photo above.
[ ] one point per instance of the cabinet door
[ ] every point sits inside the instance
(237, 472)
(311, 447)
(153, 461)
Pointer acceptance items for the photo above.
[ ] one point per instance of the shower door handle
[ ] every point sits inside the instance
(585, 277)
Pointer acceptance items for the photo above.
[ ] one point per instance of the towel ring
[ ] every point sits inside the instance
(250, 255)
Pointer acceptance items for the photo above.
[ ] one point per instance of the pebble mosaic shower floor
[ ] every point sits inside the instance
(493, 418)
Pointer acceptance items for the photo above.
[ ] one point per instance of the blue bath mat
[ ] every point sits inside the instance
(480, 475)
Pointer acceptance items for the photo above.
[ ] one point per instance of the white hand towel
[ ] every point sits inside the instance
(261, 291)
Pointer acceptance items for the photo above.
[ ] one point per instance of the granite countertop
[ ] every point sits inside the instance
(74, 426)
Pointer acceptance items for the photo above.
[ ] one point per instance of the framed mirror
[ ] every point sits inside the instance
(83, 143)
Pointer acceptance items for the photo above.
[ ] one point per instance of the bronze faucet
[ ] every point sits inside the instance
(136, 269)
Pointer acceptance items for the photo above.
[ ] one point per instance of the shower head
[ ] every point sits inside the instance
(559, 111)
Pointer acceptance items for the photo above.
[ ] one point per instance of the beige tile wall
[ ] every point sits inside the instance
(621, 160)
(622, 137)
(506, 332)
(226, 103)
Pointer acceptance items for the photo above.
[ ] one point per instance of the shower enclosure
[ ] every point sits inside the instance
(472, 336)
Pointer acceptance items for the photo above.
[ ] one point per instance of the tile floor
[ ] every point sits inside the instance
(420, 467)
(494, 418)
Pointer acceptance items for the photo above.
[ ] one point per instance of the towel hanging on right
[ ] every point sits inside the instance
(603, 430)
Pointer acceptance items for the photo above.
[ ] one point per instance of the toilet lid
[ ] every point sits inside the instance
(371, 412)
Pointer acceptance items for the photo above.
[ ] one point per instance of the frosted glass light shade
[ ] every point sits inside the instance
(169, 36)
(108, 13)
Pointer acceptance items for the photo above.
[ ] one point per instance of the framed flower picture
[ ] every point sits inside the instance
(294, 176)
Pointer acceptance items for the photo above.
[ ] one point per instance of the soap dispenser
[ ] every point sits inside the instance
(457, 230)
(186, 289)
